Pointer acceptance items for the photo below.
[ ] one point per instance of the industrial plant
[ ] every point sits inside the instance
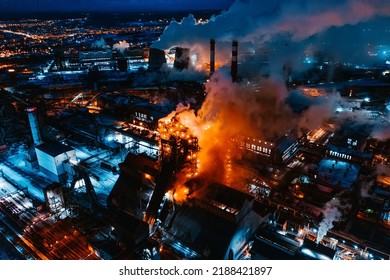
(119, 147)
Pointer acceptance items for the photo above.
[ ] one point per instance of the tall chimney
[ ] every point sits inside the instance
(234, 61)
(32, 117)
(212, 56)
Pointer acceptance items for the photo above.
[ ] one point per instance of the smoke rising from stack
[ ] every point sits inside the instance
(264, 21)
(333, 212)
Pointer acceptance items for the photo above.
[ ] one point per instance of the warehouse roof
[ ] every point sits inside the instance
(53, 148)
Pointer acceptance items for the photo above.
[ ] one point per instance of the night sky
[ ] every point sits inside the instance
(110, 5)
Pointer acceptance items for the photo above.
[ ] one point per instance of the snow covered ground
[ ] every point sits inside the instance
(6, 188)
(22, 182)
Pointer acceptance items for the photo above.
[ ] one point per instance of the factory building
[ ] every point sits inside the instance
(100, 58)
(52, 158)
(336, 173)
(147, 114)
(130, 60)
(135, 185)
(349, 142)
(216, 225)
(316, 140)
(278, 151)
(347, 154)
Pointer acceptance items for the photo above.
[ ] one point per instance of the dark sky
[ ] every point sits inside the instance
(111, 5)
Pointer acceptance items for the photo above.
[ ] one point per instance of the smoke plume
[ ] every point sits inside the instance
(333, 212)
(381, 132)
(379, 173)
(99, 44)
(121, 46)
(257, 22)
(366, 187)
(231, 111)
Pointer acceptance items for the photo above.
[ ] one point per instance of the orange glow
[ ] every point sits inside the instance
(179, 193)
(229, 112)
(313, 92)
(385, 180)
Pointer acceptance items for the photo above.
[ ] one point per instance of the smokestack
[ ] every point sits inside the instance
(34, 125)
(212, 56)
(234, 61)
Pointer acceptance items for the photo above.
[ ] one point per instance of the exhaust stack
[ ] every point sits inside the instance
(212, 56)
(234, 67)
(34, 125)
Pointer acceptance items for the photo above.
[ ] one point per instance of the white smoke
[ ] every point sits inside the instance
(381, 172)
(99, 44)
(278, 23)
(121, 46)
(259, 21)
(366, 187)
(333, 212)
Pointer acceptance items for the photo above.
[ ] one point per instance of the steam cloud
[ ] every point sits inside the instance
(366, 186)
(381, 172)
(121, 46)
(263, 21)
(381, 132)
(99, 44)
(333, 212)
